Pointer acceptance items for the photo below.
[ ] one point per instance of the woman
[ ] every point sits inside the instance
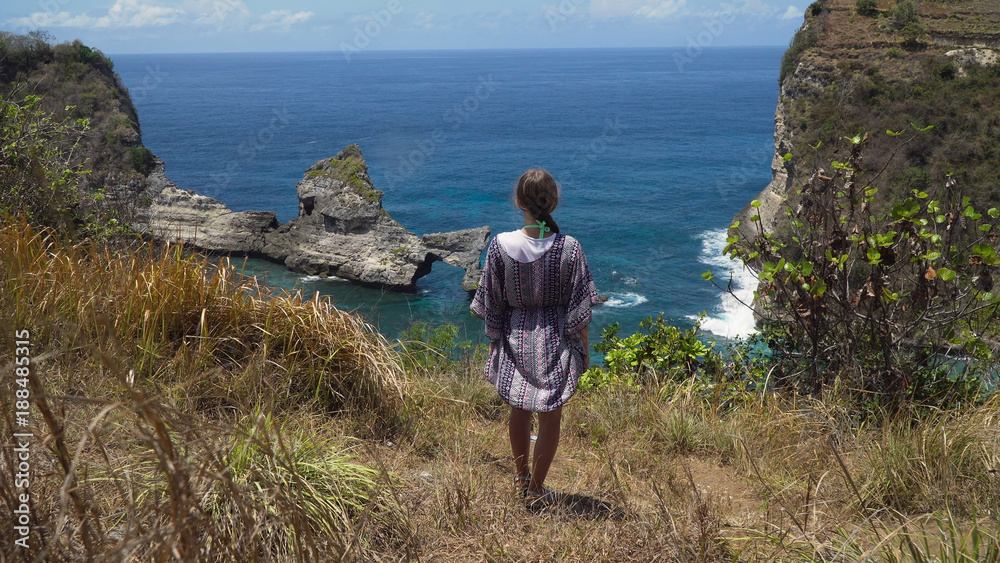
(535, 296)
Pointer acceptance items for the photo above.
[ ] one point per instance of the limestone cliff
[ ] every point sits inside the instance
(342, 229)
(902, 67)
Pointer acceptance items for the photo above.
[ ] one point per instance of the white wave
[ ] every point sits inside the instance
(624, 300)
(627, 280)
(732, 318)
(314, 279)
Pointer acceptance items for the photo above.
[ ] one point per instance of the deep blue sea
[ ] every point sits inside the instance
(653, 161)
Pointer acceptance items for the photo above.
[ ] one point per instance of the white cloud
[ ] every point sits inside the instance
(134, 13)
(661, 10)
(50, 19)
(143, 13)
(424, 20)
(125, 13)
(754, 8)
(281, 19)
(792, 13)
(607, 9)
(651, 9)
(218, 12)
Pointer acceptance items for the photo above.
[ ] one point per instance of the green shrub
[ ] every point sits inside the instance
(878, 295)
(816, 8)
(658, 354)
(39, 179)
(904, 14)
(21, 54)
(948, 71)
(142, 160)
(804, 39)
(915, 178)
(913, 34)
(867, 8)
(428, 347)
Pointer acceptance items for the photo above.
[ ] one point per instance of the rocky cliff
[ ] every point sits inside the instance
(900, 66)
(342, 229)
(75, 81)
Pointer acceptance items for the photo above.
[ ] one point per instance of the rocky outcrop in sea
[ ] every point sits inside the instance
(342, 229)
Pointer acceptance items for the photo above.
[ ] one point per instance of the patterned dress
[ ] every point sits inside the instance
(534, 311)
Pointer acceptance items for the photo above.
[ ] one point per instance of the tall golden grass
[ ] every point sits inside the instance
(156, 379)
(199, 332)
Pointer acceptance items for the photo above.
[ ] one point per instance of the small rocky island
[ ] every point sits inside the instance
(342, 229)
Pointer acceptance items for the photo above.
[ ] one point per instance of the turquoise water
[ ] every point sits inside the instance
(653, 162)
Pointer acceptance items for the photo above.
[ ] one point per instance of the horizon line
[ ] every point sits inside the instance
(453, 50)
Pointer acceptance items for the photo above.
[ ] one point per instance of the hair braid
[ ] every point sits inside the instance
(538, 194)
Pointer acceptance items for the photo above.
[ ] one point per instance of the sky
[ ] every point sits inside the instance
(212, 26)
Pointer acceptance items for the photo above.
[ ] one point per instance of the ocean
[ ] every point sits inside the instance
(653, 160)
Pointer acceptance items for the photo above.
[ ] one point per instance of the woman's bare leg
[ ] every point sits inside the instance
(520, 439)
(545, 447)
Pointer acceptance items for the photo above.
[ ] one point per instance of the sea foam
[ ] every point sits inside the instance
(732, 317)
(315, 279)
(624, 300)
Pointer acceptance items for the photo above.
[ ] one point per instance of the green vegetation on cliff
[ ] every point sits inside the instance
(889, 132)
(68, 100)
(872, 66)
(348, 167)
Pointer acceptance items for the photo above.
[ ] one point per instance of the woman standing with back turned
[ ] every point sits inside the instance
(535, 296)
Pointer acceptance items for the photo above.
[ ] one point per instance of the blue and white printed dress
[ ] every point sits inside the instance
(534, 312)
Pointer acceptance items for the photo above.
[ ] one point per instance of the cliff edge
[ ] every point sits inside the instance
(873, 66)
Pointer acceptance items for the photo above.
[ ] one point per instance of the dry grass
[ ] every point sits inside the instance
(201, 334)
(181, 412)
(156, 385)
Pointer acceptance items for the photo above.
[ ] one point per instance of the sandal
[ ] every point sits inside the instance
(547, 497)
(521, 483)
